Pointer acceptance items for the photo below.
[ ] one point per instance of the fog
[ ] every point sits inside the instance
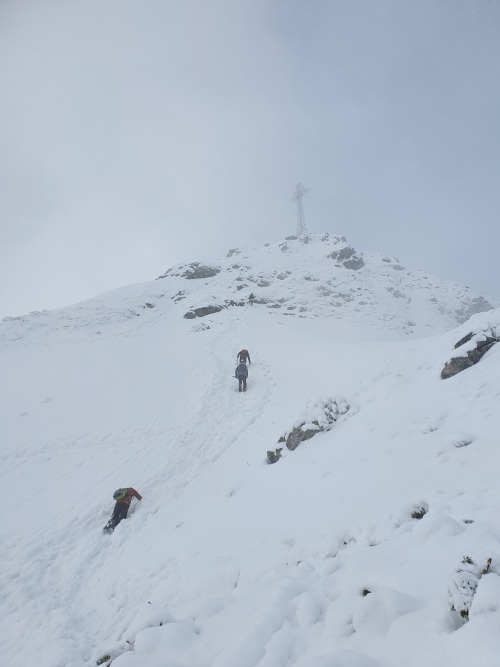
(135, 134)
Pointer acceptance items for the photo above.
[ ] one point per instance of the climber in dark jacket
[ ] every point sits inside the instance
(243, 356)
(123, 499)
(242, 374)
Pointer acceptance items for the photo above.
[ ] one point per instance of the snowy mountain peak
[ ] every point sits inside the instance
(315, 276)
(321, 275)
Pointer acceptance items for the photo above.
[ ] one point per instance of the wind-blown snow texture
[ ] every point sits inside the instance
(320, 560)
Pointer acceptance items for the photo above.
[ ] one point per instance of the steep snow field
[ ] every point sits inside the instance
(315, 561)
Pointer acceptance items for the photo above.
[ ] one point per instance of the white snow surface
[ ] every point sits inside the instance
(228, 561)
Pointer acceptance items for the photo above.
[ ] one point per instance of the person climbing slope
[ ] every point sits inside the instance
(243, 356)
(242, 373)
(123, 499)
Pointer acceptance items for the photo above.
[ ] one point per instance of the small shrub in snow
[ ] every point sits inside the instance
(463, 585)
(196, 328)
(420, 512)
(462, 439)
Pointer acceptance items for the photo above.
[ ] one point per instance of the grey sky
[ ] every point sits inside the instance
(135, 134)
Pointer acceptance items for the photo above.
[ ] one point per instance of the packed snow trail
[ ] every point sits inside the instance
(162, 455)
(315, 561)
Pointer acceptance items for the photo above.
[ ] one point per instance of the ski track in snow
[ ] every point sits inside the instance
(315, 561)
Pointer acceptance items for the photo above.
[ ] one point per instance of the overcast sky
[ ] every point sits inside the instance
(135, 134)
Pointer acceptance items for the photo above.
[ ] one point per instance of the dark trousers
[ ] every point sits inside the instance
(120, 512)
(242, 379)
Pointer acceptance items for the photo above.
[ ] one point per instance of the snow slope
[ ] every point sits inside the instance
(228, 561)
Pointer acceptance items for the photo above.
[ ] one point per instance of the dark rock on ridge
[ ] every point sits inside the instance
(196, 271)
(348, 257)
(297, 436)
(209, 310)
(355, 263)
(274, 456)
(202, 312)
(464, 340)
(459, 364)
(345, 253)
(332, 409)
(191, 271)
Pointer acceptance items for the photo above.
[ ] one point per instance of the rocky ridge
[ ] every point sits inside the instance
(324, 276)
(317, 276)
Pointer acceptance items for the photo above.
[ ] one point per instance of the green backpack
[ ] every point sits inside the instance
(120, 494)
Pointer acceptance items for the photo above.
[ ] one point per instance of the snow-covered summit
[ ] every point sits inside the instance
(318, 276)
(323, 276)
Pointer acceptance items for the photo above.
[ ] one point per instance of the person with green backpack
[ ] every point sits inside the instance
(123, 499)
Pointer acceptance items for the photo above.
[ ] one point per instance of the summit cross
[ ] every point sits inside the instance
(299, 192)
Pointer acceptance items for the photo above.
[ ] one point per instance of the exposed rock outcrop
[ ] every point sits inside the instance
(355, 263)
(274, 456)
(191, 271)
(459, 364)
(209, 310)
(328, 411)
(202, 312)
(299, 435)
(196, 271)
(464, 340)
(349, 258)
